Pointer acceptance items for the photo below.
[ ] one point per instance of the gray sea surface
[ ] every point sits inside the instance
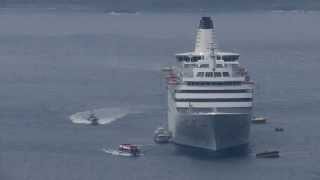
(54, 64)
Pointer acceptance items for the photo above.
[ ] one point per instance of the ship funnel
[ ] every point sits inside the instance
(206, 23)
(205, 42)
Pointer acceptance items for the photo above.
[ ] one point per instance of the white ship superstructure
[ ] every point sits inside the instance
(209, 96)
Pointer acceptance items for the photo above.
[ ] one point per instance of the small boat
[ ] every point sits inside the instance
(94, 120)
(162, 138)
(268, 154)
(259, 120)
(279, 129)
(161, 135)
(131, 149)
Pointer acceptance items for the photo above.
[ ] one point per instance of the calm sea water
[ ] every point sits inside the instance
(54, 64)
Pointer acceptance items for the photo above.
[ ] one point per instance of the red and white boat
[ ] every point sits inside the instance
(129, 148)
(125, 150)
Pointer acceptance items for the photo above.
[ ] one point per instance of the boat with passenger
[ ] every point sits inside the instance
(130, 149)
(93, 119)
(161, 136)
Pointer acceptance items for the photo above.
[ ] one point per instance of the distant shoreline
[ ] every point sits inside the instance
(130, 8)
(76, 8)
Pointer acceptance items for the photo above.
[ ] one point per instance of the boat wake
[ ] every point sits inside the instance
(105, 115)
(118, 153)
(118, 13)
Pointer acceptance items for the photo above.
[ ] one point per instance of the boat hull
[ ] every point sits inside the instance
(214, 132)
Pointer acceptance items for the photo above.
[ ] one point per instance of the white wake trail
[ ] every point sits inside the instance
(105, 115)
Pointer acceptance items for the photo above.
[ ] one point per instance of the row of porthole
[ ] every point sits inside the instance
(213, 83)
(211, 74)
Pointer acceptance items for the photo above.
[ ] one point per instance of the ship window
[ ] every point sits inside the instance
(183, 58)
(230, 58)
(192, 83)
(217, 74)
(195, 58)
(215, 91)
(200, 74)
(209, 74)
(219, 66)
(216, 100)
(190, 65)
(225, 74)
(218, 57)
(204, 65)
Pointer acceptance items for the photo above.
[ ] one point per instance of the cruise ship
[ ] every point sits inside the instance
(210, 96)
